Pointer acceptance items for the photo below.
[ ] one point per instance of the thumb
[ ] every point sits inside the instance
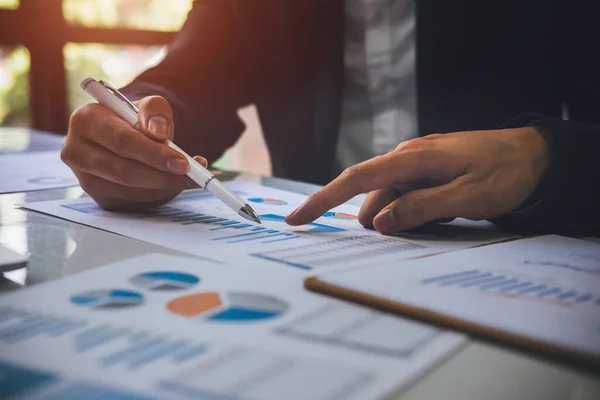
(156, 118)
(418, 207)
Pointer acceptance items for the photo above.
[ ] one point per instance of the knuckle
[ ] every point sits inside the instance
(412, 145)
(66, 154)
(351, 173)
(321, 199)
(71, 157)
(353, 178)
(81, 117)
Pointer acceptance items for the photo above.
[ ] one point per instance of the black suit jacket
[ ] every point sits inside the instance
(479, 64)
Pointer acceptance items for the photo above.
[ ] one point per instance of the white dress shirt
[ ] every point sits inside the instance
(379, 103)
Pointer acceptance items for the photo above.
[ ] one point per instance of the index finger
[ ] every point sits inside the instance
(377, 173)
(101, 126)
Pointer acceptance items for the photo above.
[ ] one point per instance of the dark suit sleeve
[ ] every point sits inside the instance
(567, 200)
(204, 76)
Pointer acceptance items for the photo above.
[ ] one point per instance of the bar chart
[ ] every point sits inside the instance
(18, 325)
(511, 287)
(126, 346)
(225, 230)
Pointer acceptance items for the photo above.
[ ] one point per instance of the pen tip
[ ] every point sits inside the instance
(248, 213)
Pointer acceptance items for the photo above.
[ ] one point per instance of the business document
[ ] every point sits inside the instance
(198, 223)
(543, 290)
(166, 327)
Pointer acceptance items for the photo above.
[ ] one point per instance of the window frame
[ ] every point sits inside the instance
(40, 26)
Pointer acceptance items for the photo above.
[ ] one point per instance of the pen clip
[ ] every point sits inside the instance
(119, 95)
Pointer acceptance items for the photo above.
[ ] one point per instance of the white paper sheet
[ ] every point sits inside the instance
(25, 172)
(167, 327)
(198, 223)
(10, 260)
(545, 288)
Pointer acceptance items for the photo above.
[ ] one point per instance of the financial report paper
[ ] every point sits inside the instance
(545, 289)
(25, 172)
(198, 223)
(166, 327)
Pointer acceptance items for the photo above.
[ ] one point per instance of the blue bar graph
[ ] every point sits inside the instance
(234, 231)
(143, 350)
(499, 283)
(188, 353)
(96, 337)
(25, 325)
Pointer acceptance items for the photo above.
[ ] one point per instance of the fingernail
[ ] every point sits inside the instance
(178, 166)
(159, 127)
(386, 221)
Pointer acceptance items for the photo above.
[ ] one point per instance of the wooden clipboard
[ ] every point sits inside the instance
(551, 350)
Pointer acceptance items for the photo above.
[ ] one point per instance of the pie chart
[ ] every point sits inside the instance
(164, 280)
(109, 298)
(228, 307)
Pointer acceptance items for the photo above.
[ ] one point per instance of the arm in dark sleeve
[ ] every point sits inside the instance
(204, 78)
(567, 200)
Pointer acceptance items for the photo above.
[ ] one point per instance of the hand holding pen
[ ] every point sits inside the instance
(124, 169)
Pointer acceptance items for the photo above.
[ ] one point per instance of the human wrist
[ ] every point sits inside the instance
(532, 140)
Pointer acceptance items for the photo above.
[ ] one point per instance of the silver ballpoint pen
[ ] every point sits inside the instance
(114, 100)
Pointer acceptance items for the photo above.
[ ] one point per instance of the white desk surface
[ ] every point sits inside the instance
(479, 371)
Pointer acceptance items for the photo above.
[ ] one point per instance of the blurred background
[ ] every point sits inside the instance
(47, 47)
